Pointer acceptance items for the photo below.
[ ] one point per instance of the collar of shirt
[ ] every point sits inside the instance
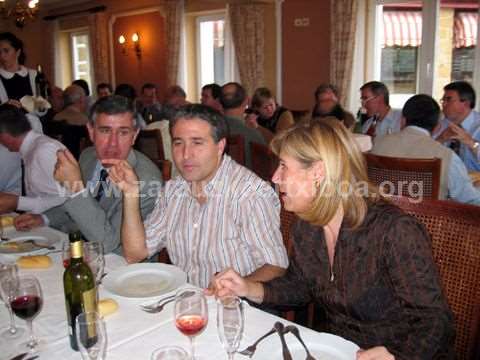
(27, 142)
(469, 122)
(419, 129)
(8, 75)
(218, 178)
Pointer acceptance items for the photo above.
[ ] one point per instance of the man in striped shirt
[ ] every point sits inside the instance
(217, 214)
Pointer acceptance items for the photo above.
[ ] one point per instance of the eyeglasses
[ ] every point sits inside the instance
(449, 99)
(365, 100)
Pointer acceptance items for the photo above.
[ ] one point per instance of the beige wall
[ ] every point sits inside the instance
(306, 51)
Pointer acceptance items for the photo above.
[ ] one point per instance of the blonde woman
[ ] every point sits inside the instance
(363, 260)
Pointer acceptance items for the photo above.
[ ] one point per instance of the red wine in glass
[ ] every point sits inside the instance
(26, 306)
(191, 325)
(66, 262)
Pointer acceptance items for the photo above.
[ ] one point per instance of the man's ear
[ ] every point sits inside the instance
(91, 132)
(221, 146)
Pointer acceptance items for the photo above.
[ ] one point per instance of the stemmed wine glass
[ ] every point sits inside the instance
(8, 282)
(95, 259)
(191, 313)
(230, 323)
(91, 336)
(27, 302)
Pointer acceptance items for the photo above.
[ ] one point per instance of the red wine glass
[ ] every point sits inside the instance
(191, 313)
(27, 303)
(8, 283)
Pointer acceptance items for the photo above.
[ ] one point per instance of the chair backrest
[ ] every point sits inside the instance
(455, 232)
(401, 176)
(287, 219)
(149, 142)
(236, 148)
(264, 161)
(165, 167)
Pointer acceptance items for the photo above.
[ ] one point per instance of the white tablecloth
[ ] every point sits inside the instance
(134, 334)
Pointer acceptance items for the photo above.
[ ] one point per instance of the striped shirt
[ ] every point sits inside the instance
(238, 226)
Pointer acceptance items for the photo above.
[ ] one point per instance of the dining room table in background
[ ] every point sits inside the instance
(135, 334)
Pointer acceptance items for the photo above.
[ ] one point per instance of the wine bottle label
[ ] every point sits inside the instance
(89, 306)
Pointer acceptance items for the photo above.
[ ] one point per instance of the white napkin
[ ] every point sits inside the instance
(35, 105)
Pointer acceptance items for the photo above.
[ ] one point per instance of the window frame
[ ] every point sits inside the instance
(74, 55)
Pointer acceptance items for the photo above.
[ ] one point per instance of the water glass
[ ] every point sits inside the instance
(94, 257)
(169, 353)
(91, 336)
(230, 323)
(8, 283)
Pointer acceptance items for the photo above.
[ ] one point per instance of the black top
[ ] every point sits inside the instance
(271, 123)
(384, 289)
(17, 86)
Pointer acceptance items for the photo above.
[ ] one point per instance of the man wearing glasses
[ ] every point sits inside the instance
(460, 128)
(381, 118)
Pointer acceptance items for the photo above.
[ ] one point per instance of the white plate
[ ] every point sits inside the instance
(322, 346)
(17, 245)
(144, 280)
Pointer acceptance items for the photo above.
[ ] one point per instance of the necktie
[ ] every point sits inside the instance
(455, 144)
(371, 130)
(101, 184)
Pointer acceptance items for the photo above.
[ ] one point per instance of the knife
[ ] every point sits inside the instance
(19, 357)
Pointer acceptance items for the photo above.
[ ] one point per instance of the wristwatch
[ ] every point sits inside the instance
(476, 144)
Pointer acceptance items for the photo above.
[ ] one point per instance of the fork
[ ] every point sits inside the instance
(249, 351)
(294, 330)
(159, 305)
(156, 308)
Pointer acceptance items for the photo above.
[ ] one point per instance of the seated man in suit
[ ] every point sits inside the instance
(38, 153)
(216, 215)
(95, 207)
(421, 114)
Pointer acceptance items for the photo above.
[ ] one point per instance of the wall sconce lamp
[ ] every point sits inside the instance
(135, 46)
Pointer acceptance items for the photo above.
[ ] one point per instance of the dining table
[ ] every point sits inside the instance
(134, 334)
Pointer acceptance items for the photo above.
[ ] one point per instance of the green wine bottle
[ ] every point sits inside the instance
(79, 287)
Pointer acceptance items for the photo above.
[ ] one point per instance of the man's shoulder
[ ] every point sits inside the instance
(44, 141)
(237, 127)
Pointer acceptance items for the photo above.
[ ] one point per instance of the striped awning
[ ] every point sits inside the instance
(465, 31)
(402, 28)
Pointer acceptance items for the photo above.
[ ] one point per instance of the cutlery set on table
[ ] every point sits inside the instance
(281, 330)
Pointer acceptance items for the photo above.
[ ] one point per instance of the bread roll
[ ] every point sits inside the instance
(6, 220)
(107, 307)
(34, 262)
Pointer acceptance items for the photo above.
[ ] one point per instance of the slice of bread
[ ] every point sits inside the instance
(34, 262)
(107, 307)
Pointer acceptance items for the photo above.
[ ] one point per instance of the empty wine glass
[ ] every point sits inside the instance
(230, 323)
(191, 313)
(169, 353)
(94, 258)
(8, 282)
(91, 336)
(27, 303)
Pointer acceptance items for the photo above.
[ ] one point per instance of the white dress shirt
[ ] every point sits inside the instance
(238, 226)
(39, 155)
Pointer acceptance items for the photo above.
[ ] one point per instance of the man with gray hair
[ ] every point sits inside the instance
(94, 206)
(74, 118)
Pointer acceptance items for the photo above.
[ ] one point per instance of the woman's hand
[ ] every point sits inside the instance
(375, 353)
(123, 175)
(229, 282)
(67, 171)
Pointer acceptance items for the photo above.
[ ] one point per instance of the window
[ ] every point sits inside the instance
(81, 64)
(215, 61)
(420, 46)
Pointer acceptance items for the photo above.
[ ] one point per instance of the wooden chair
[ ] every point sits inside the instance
(165, 167)
(149, 142)
(455, 232)
(264, 161)
(236, 148)
(386, 171)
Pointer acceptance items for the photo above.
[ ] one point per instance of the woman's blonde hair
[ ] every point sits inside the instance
(345, 179)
